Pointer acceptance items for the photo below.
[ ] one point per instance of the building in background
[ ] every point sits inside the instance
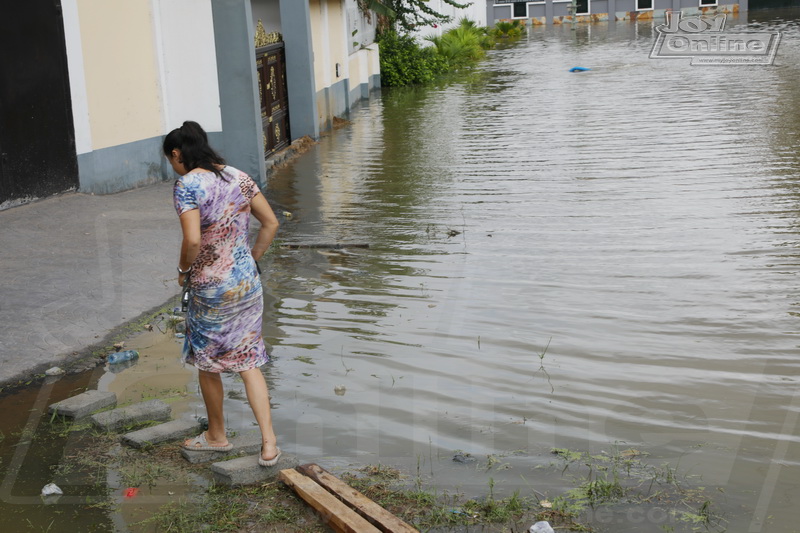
(476, 11)
(90, 87)
(561, 11)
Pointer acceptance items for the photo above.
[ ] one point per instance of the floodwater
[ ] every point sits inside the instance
(534, 258)
(572, 260)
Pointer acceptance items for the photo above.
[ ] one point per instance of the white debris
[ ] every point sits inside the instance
(50, 489)
(541, 527)
(54, 371)
(339, 390)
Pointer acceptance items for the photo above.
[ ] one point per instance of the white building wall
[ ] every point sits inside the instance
(119, 70)
(268, 12)
(363, 61)
(77, 77)
(476, 12)
(184, 74)
(137, 69)
(360, 29)
(187, 59)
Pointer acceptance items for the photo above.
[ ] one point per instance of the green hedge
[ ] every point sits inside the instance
(404, 62)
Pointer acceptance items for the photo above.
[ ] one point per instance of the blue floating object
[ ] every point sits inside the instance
(579, 69)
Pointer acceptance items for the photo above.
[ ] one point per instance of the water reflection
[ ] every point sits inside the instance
(556, 259)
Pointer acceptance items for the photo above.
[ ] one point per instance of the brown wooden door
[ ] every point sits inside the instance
(271, 65)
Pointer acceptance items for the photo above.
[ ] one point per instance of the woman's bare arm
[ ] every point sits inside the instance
(269, 225)
(190, 246)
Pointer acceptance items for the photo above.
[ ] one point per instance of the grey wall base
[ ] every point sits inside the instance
(363, 91)
(333, 101)
(128, 166)
(122, 167)
(338, 99)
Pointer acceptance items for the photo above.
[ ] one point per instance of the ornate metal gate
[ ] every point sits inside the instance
(271, 65)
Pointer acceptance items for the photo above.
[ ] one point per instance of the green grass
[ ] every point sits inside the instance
(271, 505)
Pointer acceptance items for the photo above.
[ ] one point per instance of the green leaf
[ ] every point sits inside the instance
(381, 9)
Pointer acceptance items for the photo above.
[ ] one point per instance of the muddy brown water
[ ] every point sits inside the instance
(587, 261)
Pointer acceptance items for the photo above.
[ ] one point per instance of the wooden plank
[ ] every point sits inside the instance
(336, 514)
(380, 517)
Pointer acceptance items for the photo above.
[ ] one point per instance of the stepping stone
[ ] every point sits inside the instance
(168, 431)
(247, 471)
(84, 404)
(245, 444)
(132, 414)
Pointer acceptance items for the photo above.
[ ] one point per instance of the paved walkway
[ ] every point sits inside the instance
(76, 266)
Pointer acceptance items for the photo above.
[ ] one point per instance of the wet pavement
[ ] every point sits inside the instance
(78, 266)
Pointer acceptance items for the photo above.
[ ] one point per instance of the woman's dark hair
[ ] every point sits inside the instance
(192, 141)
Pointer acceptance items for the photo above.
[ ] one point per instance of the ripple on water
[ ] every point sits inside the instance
(555, 259)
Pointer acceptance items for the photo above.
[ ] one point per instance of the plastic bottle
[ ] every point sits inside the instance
(120, 357)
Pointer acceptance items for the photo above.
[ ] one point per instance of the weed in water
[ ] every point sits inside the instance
(569, 456)
(602, 490)
(32, 527)
(381, 472)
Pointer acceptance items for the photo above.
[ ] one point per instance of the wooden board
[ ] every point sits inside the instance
(336, 514)
(385, 521)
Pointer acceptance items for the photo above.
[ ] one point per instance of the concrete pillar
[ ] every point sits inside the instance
(296, 30)
(548, 11)
(240, 107)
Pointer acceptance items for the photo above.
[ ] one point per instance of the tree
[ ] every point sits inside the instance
(407, 15)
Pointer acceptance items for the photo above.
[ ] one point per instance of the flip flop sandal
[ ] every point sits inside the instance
(200, 444)
(271, 462)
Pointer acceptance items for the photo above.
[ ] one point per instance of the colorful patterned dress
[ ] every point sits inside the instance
(223, 324)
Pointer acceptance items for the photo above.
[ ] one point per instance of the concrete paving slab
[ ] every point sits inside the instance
(84, 404)
(76, 266)
(117, 419)
(244, 444)
(247, 471)
(166, 432)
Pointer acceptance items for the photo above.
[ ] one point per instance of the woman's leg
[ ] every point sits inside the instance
(258, 397)
(211, 388)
